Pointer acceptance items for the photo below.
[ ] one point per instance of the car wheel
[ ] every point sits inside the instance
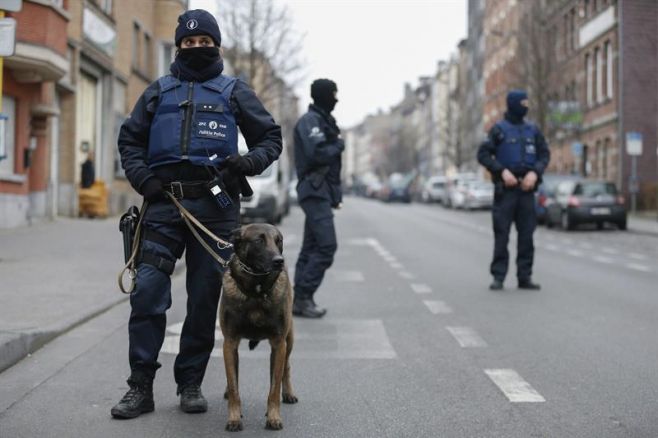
(622, 225)
(549, 223)
(567, 223)
(599, 225)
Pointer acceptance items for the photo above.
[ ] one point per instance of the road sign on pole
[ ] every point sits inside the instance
(577, 149)
(634, 143)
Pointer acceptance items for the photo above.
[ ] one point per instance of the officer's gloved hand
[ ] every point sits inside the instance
(239, 164)
(153, 190)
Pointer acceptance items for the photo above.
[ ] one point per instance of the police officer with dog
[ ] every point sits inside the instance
(516, 154)
(318, 149)
(181, 139)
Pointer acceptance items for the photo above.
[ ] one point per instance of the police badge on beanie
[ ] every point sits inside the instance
(197, 22)
(323, 92)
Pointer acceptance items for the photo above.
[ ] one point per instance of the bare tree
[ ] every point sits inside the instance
(261, 43)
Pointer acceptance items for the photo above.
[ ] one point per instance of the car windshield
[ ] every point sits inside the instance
(594, 189)
(438, 184)
(480, 185)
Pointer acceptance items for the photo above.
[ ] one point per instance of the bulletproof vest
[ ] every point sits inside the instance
(517, 150)
(193, 122)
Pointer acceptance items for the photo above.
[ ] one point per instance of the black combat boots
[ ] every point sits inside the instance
(138, 400)
(191, 399)
(307, 308)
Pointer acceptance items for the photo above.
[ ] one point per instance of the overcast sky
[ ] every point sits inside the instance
(370, 48)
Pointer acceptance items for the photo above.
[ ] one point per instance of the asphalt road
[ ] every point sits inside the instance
(414, 344)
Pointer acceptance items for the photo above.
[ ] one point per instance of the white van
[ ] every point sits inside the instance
(270, 201)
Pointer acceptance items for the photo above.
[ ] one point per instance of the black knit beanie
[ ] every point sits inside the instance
(197, 22)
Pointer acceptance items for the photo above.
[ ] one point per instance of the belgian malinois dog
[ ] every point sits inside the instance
(256, 304)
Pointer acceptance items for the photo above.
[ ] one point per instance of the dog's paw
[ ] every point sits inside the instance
(274, 424)
(225, 395)
(290, 399)
(234, 426)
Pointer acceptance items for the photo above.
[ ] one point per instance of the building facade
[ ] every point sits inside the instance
(79, 67)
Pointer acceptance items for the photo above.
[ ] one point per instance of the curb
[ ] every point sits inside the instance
(16, 345)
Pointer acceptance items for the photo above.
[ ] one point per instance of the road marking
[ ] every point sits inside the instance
(609, 250)
(637, 256)
(421, 288)
(513, 386)
(467, 337)
(437, 307)
(396, 265)
(585, 245)
(389, 258)
(638, 267)
(347, 276)
(406, 274)
(328, 339)
(603, 259)
(552, 247)
(575, 253)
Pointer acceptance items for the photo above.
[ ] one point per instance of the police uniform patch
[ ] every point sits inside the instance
(210, 129)
(316, 132)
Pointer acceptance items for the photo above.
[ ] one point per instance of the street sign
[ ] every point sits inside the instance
(634, 143)
(11, 5)
(7, 36)
(577, 149)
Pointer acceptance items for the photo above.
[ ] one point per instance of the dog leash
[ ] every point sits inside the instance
(130, 264)
(190, 220)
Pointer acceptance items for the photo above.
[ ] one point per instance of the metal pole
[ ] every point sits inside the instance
(633, 184)
(2, 15)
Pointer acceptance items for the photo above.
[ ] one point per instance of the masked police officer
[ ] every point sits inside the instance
(183, 133)
(318, 149)
(516, 154)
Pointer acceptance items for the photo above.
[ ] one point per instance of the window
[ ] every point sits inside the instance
(167, 54)
(146, 61)
(106, 6)
(588, 79)
(574, 34)
(136, 52)
(598, 56)
(604, 159)
(9, 109)
(608, 55)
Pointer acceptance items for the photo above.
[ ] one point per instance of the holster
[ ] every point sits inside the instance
(127, 227)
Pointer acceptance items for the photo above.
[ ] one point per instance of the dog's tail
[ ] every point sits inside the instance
(253, 344)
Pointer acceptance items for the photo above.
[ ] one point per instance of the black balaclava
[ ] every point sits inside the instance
(323, 92)
(198, 63)
(515, 111)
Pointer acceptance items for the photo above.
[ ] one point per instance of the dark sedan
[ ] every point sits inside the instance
(580, 202)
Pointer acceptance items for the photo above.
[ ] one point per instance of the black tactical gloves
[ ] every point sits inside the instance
(153, 190)
(239, 164)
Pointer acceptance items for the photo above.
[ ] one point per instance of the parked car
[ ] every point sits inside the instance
(579, 202)
(546, 192)
(455, 185)
(433, 189)
(478, 194)
(397, 189)
(270, 201)
(292, 191)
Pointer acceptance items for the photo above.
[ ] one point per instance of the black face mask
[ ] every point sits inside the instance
(323, 92)
(198, 58)
(197, 64)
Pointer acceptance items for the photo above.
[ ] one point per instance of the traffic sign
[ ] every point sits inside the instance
(633, 143)
(7, 36)
(577, 149)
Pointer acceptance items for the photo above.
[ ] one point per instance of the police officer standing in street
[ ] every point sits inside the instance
(516, 154)
(183, 133)
(318, 149)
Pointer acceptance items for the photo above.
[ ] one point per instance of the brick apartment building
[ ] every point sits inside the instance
(601, 64)
(79, 67)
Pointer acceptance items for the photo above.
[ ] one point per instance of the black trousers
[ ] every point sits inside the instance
(318, 247)
(152, 295)
(518, 207)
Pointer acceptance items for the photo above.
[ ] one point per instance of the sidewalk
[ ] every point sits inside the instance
(643, 223)
(55, 276)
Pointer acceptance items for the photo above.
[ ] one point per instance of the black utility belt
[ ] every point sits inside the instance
(188, 190)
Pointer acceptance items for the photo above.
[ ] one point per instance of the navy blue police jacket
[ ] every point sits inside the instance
(261, 133)
(318, 149)
(515, 145)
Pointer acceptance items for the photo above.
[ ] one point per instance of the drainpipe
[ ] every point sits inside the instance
(620, 97)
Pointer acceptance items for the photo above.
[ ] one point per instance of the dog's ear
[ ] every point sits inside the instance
(279, 241)
(236, 236)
